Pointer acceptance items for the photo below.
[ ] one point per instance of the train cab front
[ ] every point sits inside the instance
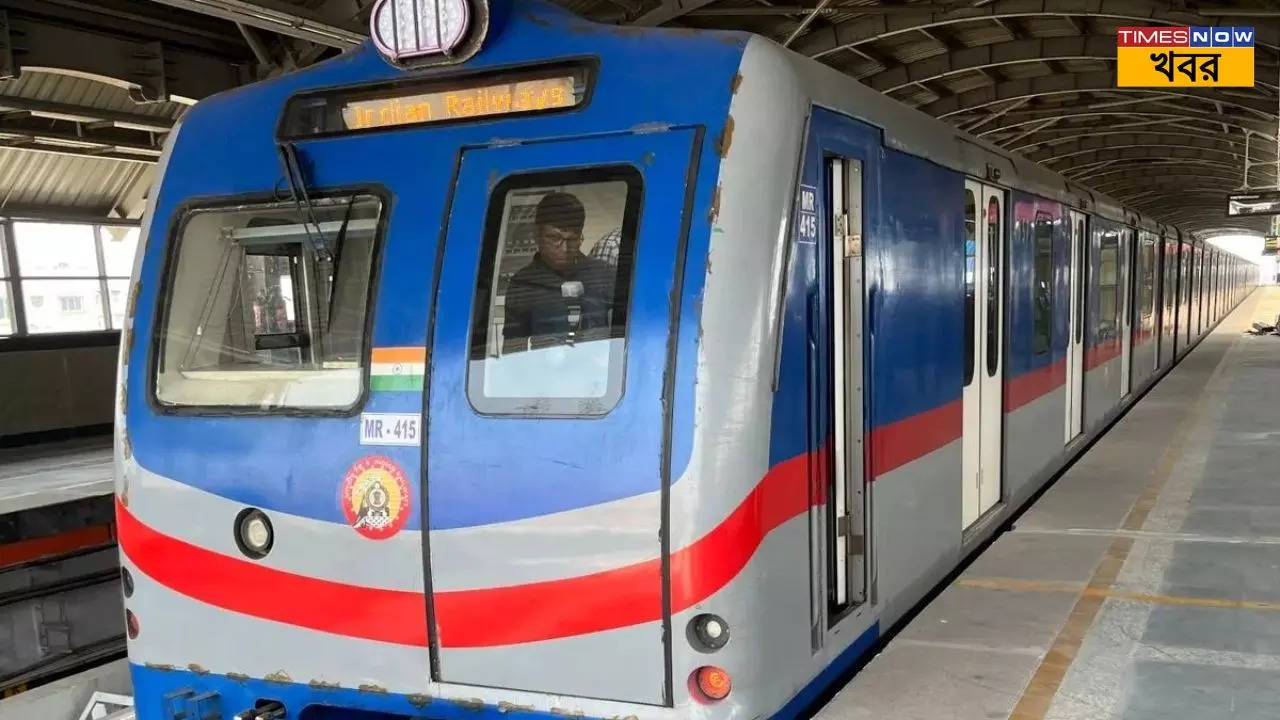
(408, 370)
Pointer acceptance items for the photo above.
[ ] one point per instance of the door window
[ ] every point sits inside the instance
(550, 325)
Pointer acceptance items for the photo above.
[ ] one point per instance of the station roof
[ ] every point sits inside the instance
(1034, 76)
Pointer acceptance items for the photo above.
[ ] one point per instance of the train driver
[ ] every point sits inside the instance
(562, 292)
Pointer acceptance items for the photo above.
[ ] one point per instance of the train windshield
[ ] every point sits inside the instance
(268, 305)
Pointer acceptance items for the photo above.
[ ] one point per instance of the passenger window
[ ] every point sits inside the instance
(970, 269)
(1043, 290)
(549, 332)
(1148, 275)
(1109, 287)
(268, 306)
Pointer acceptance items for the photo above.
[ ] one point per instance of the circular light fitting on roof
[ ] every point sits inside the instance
(404, 29)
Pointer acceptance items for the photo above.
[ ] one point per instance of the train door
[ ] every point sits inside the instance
(1075, 326)
(837, 177)
(983, 396)
(1126, 308)
(548, 450)
(847, 502)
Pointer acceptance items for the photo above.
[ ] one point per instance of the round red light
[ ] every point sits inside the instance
(712, 682)
(131, 624)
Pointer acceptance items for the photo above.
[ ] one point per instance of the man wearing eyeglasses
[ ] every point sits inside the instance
(562, 295)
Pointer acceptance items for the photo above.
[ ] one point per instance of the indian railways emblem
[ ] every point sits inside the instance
(375, 497)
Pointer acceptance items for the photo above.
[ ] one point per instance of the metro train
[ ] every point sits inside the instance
(513, 365)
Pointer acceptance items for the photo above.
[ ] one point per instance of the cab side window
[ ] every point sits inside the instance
(550, 324)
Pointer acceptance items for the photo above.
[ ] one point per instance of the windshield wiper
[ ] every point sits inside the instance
(298, 190)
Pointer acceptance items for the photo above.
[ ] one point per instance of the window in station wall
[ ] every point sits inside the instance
(69, 277)
(6, 291)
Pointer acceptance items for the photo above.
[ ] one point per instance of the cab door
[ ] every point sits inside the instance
(547, 455)
(1075, 327)
(983, 395)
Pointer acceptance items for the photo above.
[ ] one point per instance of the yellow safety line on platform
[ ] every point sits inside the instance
(1104, 593)
(1038, 695)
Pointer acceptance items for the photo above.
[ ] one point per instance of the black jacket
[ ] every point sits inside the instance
(537, 309)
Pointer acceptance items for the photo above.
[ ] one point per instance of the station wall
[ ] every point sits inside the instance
(47, 389)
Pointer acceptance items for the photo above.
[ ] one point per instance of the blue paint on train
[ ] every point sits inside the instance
(915, 289)
(804, 700)
(161, 693)
(226, 149)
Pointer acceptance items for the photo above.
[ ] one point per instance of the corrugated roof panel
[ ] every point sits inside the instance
(37, 181)
(77, 90)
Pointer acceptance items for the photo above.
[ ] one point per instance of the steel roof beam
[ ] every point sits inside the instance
(1177, 166)
(1148, 152)
(131, 19)
(1049, 85)
(670, 10)
(1087, 172)
(1115, 187)
(152, 71)
(84, 114)
(1103, 139)
(859, 30)
(101, 144)
(982, 57)
(33, 146)
(1034, 117)
(290, 21)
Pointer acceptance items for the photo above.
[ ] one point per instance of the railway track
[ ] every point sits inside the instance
(61, 610)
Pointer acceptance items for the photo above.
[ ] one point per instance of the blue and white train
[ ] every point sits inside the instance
(512, 365)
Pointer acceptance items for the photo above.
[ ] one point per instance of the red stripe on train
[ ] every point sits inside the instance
(1031, 385)
(629, 595)
(1101, 354)
(253, 589)
(486, 617)
(898, 443)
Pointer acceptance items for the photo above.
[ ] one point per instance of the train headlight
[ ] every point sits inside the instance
(254, 535)
(708, 632)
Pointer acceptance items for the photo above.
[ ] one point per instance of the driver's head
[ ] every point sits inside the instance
(558, 223)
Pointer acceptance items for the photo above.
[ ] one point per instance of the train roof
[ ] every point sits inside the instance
(904, 127)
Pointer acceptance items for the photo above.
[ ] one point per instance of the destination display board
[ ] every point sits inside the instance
(460, 104)
(1161, 57)
(1254, 203)
(476, 98)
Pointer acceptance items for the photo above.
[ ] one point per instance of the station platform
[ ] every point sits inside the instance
(1143, 585)
(53, 473)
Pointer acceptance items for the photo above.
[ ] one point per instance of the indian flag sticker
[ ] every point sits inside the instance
(398, 369)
